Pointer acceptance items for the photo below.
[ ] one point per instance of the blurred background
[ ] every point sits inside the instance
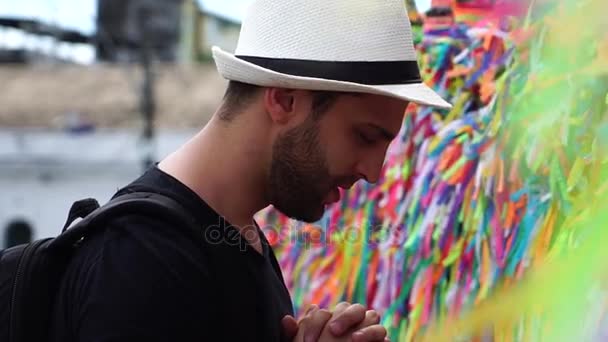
(94, 91)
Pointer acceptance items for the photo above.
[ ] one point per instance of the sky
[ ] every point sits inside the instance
(80, 15)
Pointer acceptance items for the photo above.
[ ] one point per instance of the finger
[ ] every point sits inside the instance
(290, 327)
(350, 318)
(340, 308)
(311, 308)
(314, 326)
(372, 317)
(303, 324)
(374, 333)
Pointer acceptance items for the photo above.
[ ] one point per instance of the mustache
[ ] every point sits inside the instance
(346, 182)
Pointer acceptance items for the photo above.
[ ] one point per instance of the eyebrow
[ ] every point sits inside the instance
(385, 133)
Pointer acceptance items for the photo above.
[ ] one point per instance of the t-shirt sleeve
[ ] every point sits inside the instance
(150, 282)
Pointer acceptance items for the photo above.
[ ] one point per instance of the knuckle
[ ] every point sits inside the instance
(356, 311)
(374, 333)
(358, 306)
(371, 333)
(321, 317)
(311, 308)
(343, 304)
(340, 310)
(323, 313)
(304, 322)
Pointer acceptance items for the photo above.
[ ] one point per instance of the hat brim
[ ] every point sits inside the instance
(235, 69)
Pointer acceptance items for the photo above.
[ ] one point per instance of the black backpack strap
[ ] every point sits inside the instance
(80, 209)
(30, 274)
(144, 203)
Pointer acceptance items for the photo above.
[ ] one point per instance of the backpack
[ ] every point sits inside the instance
(30, 274)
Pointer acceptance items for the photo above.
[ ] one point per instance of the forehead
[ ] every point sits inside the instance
(367, 108)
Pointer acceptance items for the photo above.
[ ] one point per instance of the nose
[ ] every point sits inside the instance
(370, 168)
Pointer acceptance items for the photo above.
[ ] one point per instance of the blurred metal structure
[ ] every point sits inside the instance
(202, 29)
(141, 31)
(124, 26)
(180, 30)
(149, 31)
(148, 100)
(39, 29)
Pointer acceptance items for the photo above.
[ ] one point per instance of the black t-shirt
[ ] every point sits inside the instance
(142, 279)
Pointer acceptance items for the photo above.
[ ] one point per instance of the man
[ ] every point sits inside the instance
(317, 92)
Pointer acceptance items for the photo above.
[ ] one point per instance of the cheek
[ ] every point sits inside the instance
(381, 153)
(341, 154)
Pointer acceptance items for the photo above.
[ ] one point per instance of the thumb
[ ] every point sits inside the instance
(290, 328)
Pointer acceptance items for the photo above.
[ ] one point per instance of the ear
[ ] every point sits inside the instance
(279, 104)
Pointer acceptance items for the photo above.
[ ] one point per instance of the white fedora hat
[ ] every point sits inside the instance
(361, 46)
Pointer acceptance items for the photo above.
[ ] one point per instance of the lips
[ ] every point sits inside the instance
(347, 185)
(336, 193)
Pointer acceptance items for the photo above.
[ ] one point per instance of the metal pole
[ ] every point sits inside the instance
(148, 105)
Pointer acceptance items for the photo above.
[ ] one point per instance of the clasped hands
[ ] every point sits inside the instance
(347, 323)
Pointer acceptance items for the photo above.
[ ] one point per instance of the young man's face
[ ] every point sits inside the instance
(311, 161)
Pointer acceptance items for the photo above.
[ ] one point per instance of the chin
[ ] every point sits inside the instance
(308, 217)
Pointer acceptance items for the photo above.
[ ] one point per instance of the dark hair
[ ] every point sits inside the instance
(238, 95)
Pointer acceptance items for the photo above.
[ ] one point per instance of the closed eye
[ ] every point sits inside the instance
(370, 134)
(365, 139)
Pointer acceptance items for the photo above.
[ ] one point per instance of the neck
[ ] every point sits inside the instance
(225, 168)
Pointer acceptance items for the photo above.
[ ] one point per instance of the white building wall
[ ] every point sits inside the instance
(44, 203)
(43, 173)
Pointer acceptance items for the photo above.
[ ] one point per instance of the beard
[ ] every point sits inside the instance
(299, 177)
